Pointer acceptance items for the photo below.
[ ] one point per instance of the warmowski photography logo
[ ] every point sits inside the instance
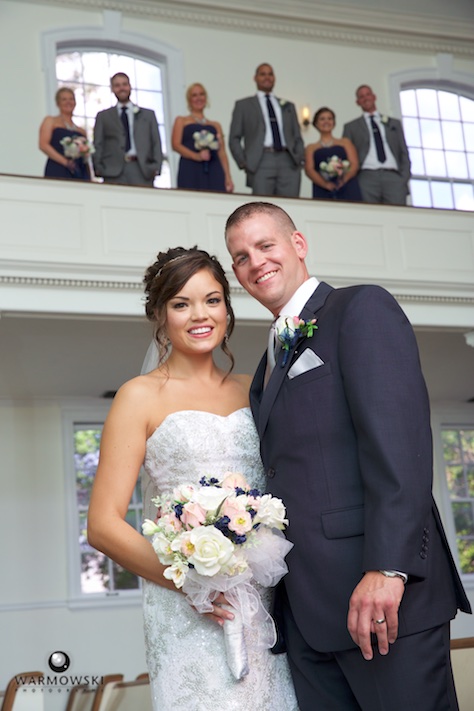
(59, 663)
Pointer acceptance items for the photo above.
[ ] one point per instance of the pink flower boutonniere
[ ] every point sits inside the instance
(289, 328)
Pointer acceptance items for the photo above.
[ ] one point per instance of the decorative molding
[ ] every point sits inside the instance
(236, 290)
(304, 21)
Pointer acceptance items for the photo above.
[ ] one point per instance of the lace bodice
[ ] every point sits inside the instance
(185, 650)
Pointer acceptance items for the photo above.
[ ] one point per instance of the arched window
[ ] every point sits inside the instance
(436, 105)
(86, 58)
(439, 130)
(88, 72)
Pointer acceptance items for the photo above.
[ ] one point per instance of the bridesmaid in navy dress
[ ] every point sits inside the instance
(52, 131)
(328, 187)
(203, 164)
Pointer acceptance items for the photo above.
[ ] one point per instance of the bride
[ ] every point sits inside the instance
(185, 419)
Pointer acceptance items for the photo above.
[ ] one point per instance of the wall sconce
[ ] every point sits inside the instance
(305, 116)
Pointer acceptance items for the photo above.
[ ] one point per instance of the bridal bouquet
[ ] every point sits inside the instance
(219, 537)
(334, 167)
(77, 147)
(205, 139)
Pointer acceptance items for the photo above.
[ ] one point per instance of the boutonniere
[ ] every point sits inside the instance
(289, 328)
(136, 110)
(384, 119)
(282, 102)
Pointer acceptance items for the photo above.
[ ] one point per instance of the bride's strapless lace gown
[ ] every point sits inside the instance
(185, 650)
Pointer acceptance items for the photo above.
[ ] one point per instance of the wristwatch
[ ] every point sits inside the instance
(395, 574)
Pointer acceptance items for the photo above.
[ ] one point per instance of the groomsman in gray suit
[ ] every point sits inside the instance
(383, 153)
(265, 139)
(127, 140)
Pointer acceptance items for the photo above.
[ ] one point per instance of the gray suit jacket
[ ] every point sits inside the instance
(247, 133)
(109, 142)
(357, 131)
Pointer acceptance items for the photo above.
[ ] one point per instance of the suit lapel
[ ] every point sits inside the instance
(277, 378)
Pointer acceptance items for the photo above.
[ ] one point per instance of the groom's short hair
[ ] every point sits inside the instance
(250, 209)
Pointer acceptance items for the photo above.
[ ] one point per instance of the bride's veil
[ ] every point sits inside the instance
(148, 487)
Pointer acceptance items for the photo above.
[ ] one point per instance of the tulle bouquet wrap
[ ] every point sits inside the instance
(223, 537)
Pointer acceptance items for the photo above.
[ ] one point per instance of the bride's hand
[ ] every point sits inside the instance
(219, 614)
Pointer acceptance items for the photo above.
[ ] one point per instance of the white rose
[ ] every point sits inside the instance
(149, 527)
(210, 497)
(271, 512)
(212, 550)
(163, 549)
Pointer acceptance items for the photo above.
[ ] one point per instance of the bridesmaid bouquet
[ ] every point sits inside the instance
(333, 168)
(205, 139)
(219, 537)
(77, 147)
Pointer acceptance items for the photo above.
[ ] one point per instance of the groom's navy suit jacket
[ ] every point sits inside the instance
(347, 446)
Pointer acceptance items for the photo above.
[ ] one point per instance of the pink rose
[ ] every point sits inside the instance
(233, 506)
(193, 515)
(232, 480)
(169, 521)
(241, 523)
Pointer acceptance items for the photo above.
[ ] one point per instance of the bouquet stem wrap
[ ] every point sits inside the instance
(266, 567)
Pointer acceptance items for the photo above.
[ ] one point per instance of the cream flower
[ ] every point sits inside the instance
(210, 497)
(212, 550)
(176, 573)
(271, 512)
(162, 548)
(149, 527)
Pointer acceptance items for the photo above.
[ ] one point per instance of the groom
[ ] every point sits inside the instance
(346, 443)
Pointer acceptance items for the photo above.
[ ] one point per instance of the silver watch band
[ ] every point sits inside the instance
(395, 574)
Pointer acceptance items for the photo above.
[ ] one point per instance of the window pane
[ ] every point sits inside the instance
(148, 76)
(435, 163)
(456, 164)
(453, 135)
(467, 108)
(463, 196)
(408, 103)
(442, 195)
(431, 134)
(427, 103)
(417, 162)
(411, 129)
(449, 105)
(469, 136)
(420, 193)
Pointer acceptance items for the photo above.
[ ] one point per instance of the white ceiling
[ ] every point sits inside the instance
(68, 358)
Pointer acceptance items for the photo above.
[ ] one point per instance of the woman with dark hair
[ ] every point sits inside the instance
(185, 419)
(64, 142)
(200, 143)
(332, 163)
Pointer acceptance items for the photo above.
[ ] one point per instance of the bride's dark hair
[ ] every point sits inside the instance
(164, 279)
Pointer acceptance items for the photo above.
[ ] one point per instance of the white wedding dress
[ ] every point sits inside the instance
(185, 650)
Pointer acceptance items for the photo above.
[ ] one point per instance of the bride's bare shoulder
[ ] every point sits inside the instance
(243, 380)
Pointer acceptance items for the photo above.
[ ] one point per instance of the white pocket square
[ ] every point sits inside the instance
(308, 360)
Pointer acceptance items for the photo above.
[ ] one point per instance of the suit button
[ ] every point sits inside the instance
(271, 473)
(423, 555)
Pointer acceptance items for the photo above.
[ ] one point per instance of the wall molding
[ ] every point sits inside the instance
(313, 21)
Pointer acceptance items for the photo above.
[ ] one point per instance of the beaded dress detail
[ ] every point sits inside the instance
(185, 650)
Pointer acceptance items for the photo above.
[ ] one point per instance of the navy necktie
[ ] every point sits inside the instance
(378, 141)
(126, 128)
(273, 124)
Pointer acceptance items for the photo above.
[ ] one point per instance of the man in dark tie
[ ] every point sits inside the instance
(265, 139)
(127, 140)
(344, 423)
(383, 153)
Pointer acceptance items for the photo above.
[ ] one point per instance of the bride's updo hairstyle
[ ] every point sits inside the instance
(167, 276)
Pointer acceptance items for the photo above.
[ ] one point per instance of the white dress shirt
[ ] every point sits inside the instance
(295, 305)
(131, 117)
(371, 161)
(268, 140)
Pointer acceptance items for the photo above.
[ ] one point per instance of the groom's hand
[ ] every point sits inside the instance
(376, 597)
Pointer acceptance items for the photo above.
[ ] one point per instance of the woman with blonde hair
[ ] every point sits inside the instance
(200, 142)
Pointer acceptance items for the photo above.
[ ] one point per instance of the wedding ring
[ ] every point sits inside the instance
(380, 622)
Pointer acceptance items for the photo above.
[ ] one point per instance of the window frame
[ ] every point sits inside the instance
(442, 77)
(449, 416)
(93, 413)
(111, 38)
